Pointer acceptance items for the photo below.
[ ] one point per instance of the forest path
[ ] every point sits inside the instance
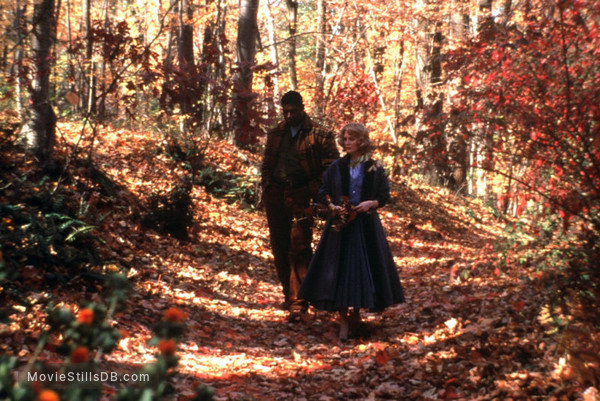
(469, 329)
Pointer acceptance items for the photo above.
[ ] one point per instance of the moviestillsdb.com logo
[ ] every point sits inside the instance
(85, 377)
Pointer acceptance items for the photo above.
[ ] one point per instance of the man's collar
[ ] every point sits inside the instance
(295, 130)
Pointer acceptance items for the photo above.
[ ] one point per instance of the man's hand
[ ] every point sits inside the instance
(260, 204)
(337, 210)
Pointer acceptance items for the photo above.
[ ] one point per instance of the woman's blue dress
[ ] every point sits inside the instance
(353, 267)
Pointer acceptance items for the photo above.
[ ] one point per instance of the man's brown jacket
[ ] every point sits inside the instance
(316, 151)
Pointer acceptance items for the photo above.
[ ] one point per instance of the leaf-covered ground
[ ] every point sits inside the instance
(469, 329)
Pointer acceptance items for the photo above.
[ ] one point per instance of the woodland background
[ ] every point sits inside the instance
(120, 119)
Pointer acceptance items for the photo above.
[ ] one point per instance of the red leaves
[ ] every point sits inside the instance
(450, 391)
(48, 395)
(566, 218)
(539, 83)
(167, 346)
(522, 199)
(382, 357)
(175, 315)
(355, 94)
(85, 316)
(518, 305)
(80, 355)
(456, 337)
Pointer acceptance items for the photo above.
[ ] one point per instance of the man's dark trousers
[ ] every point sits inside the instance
(290, 225)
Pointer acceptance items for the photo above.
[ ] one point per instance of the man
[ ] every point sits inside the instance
(297, 153)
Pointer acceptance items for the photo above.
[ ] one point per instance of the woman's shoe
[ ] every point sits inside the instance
(344, 329)
(344, 326)
(355, 323)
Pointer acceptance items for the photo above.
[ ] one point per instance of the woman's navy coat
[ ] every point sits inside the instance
(320, 281)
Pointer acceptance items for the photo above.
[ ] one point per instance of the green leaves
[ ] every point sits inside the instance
(42, 233)
(68, 227)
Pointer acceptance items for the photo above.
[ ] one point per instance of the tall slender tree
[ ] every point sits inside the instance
(292, 6)
(429, 98)
(186, 32)
(88, 77)
(273, 47)
(19, 56)
(186, 56)
(246, 51)
(39, 133)
(103, 68)
(458, 146)
(399, 67)
(506, 11)
(214, 48)
(321, 52)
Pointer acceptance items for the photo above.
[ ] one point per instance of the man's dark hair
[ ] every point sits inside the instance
(292, 98)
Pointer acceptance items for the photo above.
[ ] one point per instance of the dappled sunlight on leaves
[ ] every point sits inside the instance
(471, 327)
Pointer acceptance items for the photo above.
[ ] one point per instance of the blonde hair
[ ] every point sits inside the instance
(361, 133)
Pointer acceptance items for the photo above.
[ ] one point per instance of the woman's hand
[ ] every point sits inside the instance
(365, 206)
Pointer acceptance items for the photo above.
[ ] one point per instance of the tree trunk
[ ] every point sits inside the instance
(186, 57)
(506, 12)
(274, 49)
(102, 100)
(458, 148)
(422, 47)
(54, 50)
(186, 33)
(292, 6)
(221, 118)
(398, 74)
(71, 73)
(213, 42)
(485, 9)
(19, 59)
(246, 42)
(88, 85)
(429, 97)
(459, 20)
(442, 168)
(246, 50)
(375, 71)
(39, 131)
(320, 62)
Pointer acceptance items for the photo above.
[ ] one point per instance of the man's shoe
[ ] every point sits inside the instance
(295, 317)
(285, 305)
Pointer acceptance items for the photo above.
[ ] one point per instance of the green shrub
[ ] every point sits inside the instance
(234, 188)
(44, 233)
(83, 338)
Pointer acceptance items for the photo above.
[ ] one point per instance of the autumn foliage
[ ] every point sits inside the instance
(48, 395)
(142, 243)
(85, 316)
(530, 97)
(175, 315)
(532, 94)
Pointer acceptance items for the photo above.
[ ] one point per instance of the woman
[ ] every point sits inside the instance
(353, 266)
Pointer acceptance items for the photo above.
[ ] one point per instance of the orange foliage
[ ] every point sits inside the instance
(48, 395)
(175, 315)
(86, 316)
(167, 347)
(80, 355)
